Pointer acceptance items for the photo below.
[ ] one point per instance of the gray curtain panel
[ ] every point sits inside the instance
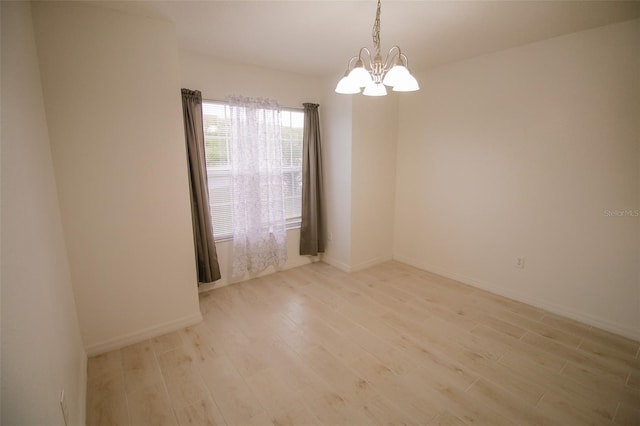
(206, 256)
(312, 231)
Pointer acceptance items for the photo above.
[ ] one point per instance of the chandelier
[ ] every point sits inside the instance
(374, 74)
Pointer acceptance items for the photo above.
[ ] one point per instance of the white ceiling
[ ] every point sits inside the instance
(318, 37)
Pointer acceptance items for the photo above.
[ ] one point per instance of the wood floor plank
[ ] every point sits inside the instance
(611, 354)
(566, 389)
(524, 323)
(470, 409)
(353, 388)
(615, 343)
(140, 367)
(418, 333)
(447, 313)
(599, 385)
(447, 419)
(445, 389)
(201, 413)
(106, 385)
(517, 348)
(186, 393)
(106, 398)
(468, 340)
(634, 380)
(104, 363)
(108, 411)
(627, 415)
(387, 345)
(312, 302)
(426, 355)
(571, 411)
(322, 399)
(390, 355)
(166, 342)
(501, 303)
(508, 404)
(150, 406)
(526, 391)
(384, 289)
(404, 391)
(283, 404)
(598, 364)
(177, 365)
(316, 331)
(568, 325)
(504, 326)
(229, 390)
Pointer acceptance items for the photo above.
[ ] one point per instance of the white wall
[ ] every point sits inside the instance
(359, 161)
(336, 123)
(520, 153)
(373, 179)
(42, 351)
(217, 79)
(112, 95)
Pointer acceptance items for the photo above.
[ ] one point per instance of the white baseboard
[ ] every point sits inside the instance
(144, 334)
(336, 263)
(358, 267)
(82, 388)
(547, 305)
(299, 261)
(371, 262)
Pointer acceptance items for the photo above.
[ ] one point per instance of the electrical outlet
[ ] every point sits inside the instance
(520, 262)
(65, 409)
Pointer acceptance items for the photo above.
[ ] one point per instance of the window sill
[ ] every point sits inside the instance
(290, 226)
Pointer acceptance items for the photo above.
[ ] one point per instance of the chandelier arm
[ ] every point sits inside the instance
(393, 53)
(364, 49)
(405, 59)
(368, 57)
(350, 62)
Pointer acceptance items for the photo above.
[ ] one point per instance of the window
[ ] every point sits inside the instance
(216, 141)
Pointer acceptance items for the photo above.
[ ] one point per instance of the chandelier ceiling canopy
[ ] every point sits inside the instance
(373, 74)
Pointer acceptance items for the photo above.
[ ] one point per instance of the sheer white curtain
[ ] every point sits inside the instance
(259, 227)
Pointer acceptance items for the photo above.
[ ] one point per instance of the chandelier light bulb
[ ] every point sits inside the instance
(375, 89)
(360, 76)
(408, 85)
(397, 75)
(346, 86)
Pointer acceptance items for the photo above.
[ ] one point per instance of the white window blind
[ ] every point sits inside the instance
(216, 140)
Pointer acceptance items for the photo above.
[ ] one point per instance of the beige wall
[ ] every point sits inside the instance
(112, 96)
(360, 165)
(373, 178)
(42, 351)
(520, 153)
(217, 79)
(336, 123)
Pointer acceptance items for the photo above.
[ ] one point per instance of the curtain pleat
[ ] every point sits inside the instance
(206, 255)
(312, 231)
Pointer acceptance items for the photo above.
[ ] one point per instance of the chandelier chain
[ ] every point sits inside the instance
(376, 29)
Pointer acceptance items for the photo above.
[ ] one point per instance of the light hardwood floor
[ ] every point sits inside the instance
(388, 345)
